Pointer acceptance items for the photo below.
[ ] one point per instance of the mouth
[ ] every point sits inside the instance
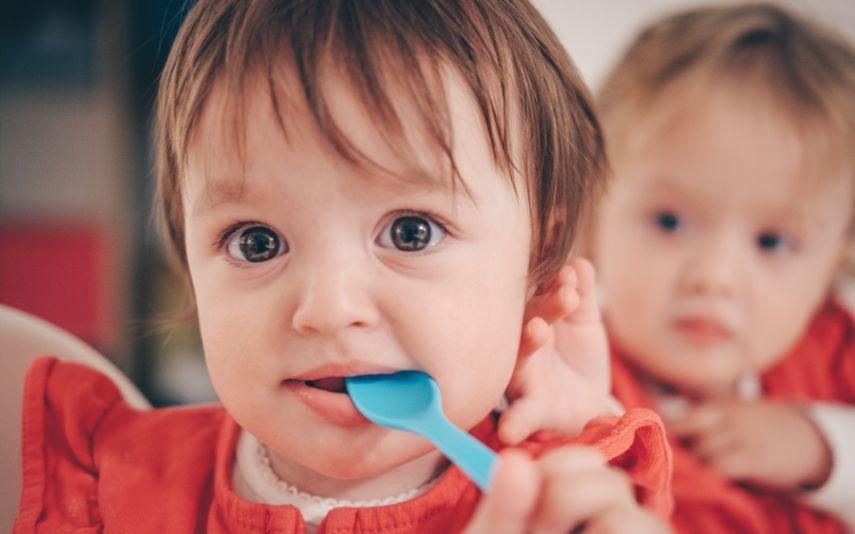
(331, 377)
(333, 384)
(323, 390)
(704, 330)
(327, 398)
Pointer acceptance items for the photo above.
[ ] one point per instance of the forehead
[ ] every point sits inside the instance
(235, 139)
(724, 130)
(752, 101)
(727, 148)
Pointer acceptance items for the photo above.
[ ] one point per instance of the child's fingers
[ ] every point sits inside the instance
(508, 504)
(521, 419)
(701, 419)
(559, 300)
(577, 489)
(566, 276)
(555, 305)
(535, 334)
(531, 412)
(585, 349)
(631, 520)
(567, 505)
(570, 459)
(714, 444)
(586, 280)
(733, 464)
(588, 309)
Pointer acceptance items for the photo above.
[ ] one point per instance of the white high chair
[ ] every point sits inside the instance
(23, 338)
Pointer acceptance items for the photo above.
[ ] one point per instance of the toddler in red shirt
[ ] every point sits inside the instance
(718, 245)
(357, 187)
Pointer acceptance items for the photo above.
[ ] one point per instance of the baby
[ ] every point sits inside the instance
(718, 246)
(356, 187)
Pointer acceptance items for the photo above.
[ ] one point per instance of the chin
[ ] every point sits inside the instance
(350, 468)
(706, 380)
(365, 461)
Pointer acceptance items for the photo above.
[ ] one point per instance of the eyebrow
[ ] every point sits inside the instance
(217, 193)
(415, 179)
(224, 191)
(792, 211)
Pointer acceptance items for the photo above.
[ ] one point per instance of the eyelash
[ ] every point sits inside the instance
(223, 237)
(784, 242)
(667, 221)
(439, 221)
(227, 233)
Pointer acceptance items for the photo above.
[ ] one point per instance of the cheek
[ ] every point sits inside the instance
(218, 343)
(781, 313)
(638, 283)
(623, 253)
(637, 307)
(467, 338)
(232, 326)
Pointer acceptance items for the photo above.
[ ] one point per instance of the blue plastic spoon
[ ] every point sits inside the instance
(411, 401)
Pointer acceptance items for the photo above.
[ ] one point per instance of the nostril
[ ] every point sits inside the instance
(333, 318)
(331, 302)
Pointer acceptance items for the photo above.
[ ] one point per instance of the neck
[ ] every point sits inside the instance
(401, 479)
(700, 393)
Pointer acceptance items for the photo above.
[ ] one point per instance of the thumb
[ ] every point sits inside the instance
(508, 504)
(520, 420)
(588, 309)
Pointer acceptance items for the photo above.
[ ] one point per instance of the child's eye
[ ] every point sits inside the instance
(411, 233)
(771, 241)
(667, 221)
(255, 244)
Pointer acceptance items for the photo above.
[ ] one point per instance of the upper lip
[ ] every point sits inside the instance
(343, 369)
(705, 321)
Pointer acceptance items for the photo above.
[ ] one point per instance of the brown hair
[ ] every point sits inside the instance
(807, 69)
(504, 50)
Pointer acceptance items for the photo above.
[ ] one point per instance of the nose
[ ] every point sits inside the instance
(333, 296)
(712, 267)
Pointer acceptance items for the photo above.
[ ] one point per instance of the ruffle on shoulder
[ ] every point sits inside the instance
(634, 442)
(64, 405)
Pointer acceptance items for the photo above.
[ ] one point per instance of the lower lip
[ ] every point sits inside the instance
(335, 407)
(703, 332)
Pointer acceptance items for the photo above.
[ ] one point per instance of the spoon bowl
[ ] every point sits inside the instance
(411, 400)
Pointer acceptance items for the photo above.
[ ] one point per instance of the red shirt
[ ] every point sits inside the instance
(91, 462)
(820, 367)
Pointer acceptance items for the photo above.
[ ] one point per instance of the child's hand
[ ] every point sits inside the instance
(568, 488)
(562, 376)
(768, 444)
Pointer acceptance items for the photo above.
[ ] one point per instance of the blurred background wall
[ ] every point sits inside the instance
(597, 31)
(77, 242)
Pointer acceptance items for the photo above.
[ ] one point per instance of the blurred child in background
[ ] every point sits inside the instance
(719, 245)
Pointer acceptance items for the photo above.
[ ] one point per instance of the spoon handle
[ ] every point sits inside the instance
(470, 455)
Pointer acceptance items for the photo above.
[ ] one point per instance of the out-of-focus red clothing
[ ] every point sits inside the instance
(821, 367)
(92, 463)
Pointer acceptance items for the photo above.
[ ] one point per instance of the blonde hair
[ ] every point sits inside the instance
(806, 68)
(504, 51)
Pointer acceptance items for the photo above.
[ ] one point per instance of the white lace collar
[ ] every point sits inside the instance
(253, 479)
